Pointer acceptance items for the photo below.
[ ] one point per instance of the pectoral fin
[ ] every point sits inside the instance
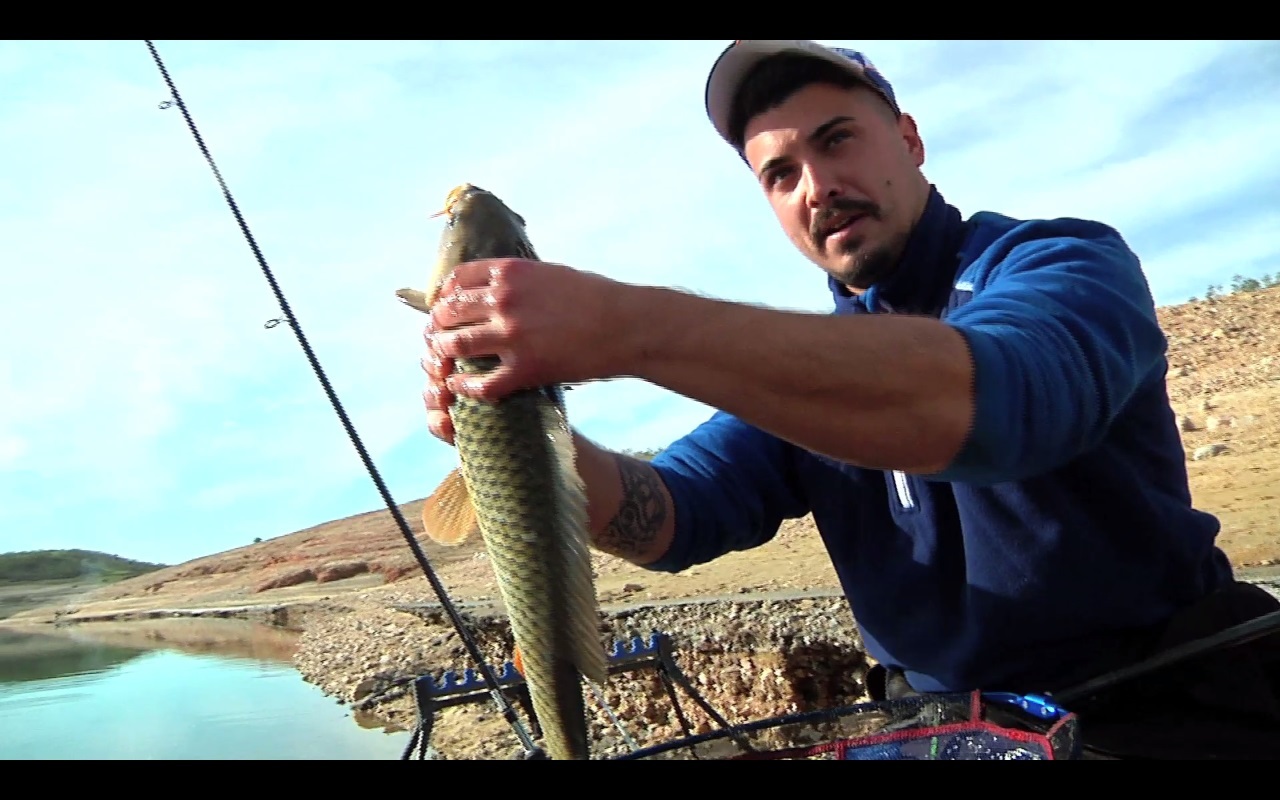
(448, 515)
(415, 299)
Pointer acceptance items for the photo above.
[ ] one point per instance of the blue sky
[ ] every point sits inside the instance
(148, 413)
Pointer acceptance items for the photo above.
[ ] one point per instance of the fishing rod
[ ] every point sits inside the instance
(491, 681)
(1239, 634)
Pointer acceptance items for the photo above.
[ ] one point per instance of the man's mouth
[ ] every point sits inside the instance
(838, 225)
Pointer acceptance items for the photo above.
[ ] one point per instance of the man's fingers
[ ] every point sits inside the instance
(471, 342)
(436, 366)
(488, 387)
(437, 396)
(440, 425)
(474, 274)
(461, 307)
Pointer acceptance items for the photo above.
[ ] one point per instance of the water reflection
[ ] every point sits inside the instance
(35, 657)
(223, 637)
(171, 689)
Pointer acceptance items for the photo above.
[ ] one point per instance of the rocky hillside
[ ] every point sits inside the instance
(356, 552)
(1223, 346)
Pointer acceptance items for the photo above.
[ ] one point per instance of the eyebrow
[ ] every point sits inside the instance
(815, 135)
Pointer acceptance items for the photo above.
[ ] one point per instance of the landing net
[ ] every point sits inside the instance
(962, 727)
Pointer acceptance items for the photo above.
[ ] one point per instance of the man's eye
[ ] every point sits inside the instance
(837, 137)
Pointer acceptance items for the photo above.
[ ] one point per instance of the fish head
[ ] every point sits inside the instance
(479, 225)
(456, 194)
(469, 205)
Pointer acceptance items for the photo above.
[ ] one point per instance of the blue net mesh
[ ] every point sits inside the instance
(963, 727)
(960, 743)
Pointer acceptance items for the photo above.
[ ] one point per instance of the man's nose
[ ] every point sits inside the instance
(820, 187)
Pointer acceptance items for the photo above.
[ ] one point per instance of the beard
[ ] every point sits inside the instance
(869, 265)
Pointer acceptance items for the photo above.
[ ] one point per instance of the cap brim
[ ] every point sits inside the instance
(738, 59)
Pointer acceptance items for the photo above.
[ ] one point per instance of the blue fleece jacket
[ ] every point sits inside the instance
(1064, 523)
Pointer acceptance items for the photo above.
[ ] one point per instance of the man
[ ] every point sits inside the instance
(981, 429)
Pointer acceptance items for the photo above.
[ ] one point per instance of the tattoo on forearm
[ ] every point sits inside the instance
(640, 515)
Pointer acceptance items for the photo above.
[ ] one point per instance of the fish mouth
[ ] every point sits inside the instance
(457, 194)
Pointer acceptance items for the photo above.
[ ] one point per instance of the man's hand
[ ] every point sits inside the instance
(438, 397)
(550, 324)
(547, 323)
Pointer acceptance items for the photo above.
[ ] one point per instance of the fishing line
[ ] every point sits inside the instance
(491, 681)
(617, 723)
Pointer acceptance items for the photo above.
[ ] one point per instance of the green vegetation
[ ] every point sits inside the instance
(62, 565)
(646, 455)
(1240, 283)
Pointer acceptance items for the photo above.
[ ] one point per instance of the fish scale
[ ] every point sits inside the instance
(516, 483)
(510, 466)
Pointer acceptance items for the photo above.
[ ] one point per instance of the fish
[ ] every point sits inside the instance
(518, 485)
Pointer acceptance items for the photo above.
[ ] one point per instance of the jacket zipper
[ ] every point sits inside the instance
(899, 478)
(904, 489)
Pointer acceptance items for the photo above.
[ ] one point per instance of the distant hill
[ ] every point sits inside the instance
(53, 565)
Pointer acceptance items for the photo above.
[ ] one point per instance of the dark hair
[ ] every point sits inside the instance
(774, 79)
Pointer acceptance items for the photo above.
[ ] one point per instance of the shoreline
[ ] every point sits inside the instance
(751, 655)
(284, 612)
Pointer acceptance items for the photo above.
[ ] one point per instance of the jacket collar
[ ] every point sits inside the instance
(926, 272)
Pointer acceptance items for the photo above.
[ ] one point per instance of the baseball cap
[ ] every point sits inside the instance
(740, 57)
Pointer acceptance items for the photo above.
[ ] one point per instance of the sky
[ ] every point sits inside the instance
(146, 411)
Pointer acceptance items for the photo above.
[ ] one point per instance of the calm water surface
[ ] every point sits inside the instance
(175, 692)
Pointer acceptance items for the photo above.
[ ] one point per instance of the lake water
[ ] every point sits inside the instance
(195, 692)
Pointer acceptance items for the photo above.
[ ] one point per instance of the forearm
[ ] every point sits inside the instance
(881, 391)
(629, 509)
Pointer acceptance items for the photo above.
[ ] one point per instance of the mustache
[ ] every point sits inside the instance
(841, 206)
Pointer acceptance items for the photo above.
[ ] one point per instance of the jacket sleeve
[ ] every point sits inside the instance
(732, 485)
(1063, 330)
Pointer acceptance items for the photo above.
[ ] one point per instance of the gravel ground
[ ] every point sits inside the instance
(749, 659)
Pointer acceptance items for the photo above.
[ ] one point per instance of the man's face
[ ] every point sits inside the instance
(843, 178)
